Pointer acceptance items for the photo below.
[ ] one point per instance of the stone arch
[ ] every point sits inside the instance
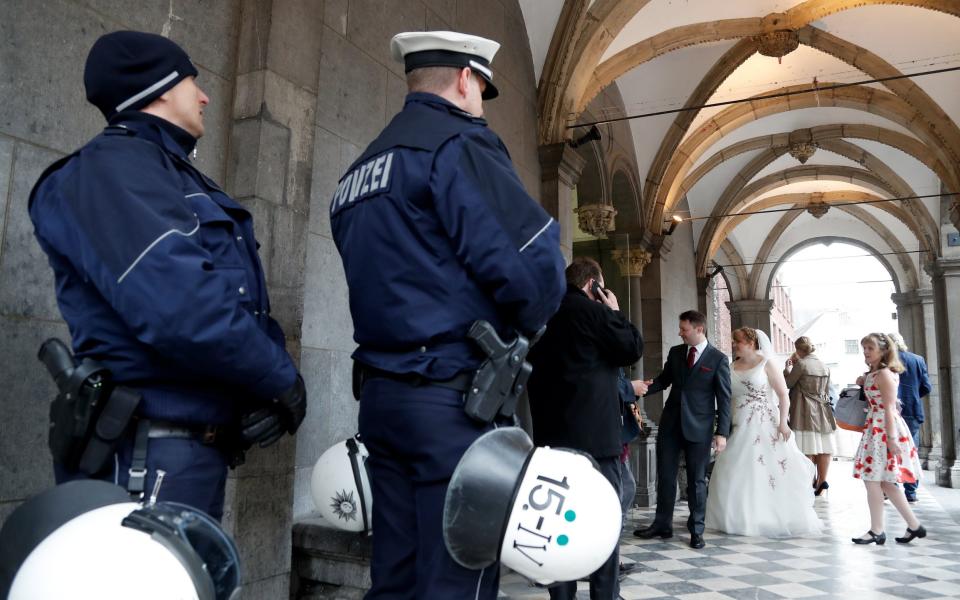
(830, 239)
(585, 31)
(864, 98)
(820, 133)
(710, 236)
(798, 18)
(918, 218)
(801, 202)
(925, 118)
(855, 211)
(740, 274)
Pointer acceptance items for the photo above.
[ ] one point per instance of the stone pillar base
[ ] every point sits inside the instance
(329, 564)
(932, 459)
(647, 467)
(948, 474)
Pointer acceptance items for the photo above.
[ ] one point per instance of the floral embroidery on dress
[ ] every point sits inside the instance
(755, 401)
(783, 465)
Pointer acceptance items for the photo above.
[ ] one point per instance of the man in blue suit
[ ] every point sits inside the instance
(914, 385)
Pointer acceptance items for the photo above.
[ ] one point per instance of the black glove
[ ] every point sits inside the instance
(261, 427)
(291, 406)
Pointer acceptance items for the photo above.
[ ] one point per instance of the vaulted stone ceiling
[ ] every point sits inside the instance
(881, 140)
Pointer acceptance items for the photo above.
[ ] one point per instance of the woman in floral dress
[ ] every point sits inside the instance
(886, 455)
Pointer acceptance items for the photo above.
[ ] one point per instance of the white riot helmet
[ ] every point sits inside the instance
(340, 486)
(85, 540)
(546, 513)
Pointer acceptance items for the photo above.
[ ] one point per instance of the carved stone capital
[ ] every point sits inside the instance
(596, 219)
(631, 262)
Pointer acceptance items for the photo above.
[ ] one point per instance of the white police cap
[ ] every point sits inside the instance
(447, 49)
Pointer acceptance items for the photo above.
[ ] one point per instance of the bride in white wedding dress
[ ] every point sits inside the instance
(761, 483)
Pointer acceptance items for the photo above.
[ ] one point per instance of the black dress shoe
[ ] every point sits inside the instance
(696, 541)
(652, 532)
(821, 487)
(875, 538)
(919, 532)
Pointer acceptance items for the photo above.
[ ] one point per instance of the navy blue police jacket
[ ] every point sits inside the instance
(157, 274)
(436, 231)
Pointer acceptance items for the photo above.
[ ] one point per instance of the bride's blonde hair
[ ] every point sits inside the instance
(747, 334)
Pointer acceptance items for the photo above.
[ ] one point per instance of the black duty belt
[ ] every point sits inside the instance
(148, 429)
(460, 382)
(206, 434)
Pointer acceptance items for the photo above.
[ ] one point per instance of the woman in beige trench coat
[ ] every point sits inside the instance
(811, 416)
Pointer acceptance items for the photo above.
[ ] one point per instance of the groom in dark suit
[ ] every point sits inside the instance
(698, 376)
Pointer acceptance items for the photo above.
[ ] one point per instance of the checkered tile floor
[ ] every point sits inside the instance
(821, 566)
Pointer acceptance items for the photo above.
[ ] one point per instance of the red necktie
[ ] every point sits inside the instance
(691, 357)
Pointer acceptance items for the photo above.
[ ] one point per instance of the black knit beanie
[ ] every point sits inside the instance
(127, 70)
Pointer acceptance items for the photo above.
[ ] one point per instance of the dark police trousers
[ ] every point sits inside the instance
(604, 584)
(415, 436)
(196, 474)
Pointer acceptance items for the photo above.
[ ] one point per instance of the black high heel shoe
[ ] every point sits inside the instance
(823, 486)
(919, 532)
(875, 538)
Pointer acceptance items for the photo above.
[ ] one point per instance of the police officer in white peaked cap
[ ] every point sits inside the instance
(435, 231)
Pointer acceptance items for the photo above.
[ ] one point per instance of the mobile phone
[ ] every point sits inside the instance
(595, 288)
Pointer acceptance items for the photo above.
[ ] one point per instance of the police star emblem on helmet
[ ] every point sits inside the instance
(344, 506)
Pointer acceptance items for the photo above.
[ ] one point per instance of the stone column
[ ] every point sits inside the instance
(907, 309)
(651, 307)
(946, 298)
(917, 325)
(560, 171)
(268, 171)
(643, 457)
(931, 436)
(750, 313)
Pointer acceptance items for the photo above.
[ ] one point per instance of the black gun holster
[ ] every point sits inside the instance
(90, 415)
(502, 378)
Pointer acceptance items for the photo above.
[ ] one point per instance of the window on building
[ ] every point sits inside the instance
(852, 347)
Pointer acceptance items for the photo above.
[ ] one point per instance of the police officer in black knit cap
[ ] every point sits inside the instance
(435, 231)
(158, 278)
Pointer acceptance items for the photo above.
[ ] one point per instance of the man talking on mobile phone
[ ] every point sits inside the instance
(574, 398)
